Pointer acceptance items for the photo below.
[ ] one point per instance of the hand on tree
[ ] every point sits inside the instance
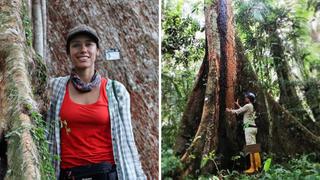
(237, 103)
(228, 109)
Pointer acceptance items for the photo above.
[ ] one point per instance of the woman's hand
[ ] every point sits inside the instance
(228, 109)
(237, 103)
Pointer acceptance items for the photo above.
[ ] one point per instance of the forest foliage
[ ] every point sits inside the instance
(259, 24)
(182, 53)
(256, 24)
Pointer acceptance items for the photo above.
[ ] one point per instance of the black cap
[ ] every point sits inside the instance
(81, 29)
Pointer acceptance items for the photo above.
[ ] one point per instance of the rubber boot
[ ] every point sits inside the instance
(257, 161)
(252, 165)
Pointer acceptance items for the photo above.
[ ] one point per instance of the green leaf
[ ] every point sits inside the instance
(233, 158)
(192, 156)
(267, 165)
(204, 161)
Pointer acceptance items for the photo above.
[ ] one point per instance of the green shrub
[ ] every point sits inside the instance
(169, 163)
(39, 136)
(301, 167)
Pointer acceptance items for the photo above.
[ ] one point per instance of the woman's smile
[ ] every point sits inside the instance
(83, 58)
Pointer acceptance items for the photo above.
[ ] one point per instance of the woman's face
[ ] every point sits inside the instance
(83, 52)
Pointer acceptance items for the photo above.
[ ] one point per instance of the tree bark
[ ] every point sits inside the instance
(44, 27)
(16, 94)
(288, 90)
(38, 38)
(219, 54)
(313, 96)
(288, 94)
(192, 114)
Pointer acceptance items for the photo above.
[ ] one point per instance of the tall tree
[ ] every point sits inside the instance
(208, 136)
(16, 95)
(213, 90)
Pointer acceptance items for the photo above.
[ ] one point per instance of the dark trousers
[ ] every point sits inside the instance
(100, 171)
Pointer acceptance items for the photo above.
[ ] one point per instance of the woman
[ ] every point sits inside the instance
(89, 120)
(250, 128)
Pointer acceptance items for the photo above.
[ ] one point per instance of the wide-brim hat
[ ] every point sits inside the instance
(79, 30)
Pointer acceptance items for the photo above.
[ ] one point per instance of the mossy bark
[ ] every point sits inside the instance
(16, 94)
(288, 88)
(190, 121)
(312, 91)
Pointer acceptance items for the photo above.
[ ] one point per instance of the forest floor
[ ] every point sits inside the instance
(304, 167)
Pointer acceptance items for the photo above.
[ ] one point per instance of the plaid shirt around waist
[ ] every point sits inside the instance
(124, 149)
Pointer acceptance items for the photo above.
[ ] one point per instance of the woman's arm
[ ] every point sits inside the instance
(239, 110)
(124, 103)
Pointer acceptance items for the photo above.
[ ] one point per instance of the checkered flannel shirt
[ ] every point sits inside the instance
(124, 149)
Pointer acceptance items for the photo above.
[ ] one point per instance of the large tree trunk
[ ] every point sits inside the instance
(288, 89)
(312, 91)
(276, 125)
(16, 95)
(130, 26)
(192, 114)
(226, 78)
(218, 88)
(288, 93)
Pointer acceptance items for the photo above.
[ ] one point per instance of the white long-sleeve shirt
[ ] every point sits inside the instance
(249, 114)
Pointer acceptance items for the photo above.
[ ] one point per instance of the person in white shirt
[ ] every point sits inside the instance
(250, 128)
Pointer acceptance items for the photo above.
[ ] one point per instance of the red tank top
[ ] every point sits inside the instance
(86, 131)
